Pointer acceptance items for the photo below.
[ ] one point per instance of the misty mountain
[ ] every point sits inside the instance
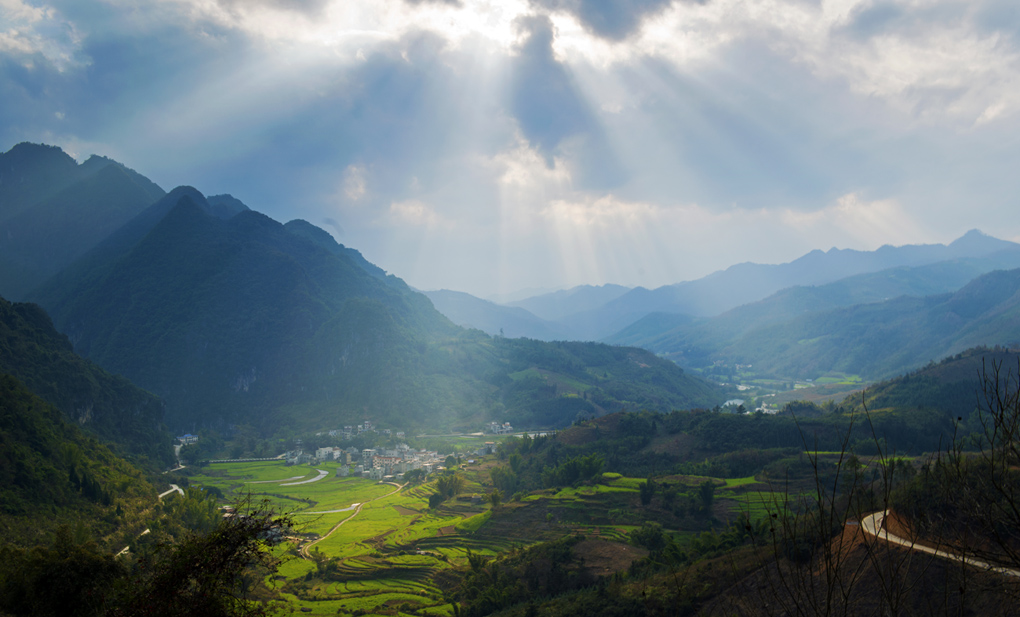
(748, 282)
(886, 338)
(240, 319)
(470, 312)
(560, 304)
(105, 405)
(53, 210)
(676, 334)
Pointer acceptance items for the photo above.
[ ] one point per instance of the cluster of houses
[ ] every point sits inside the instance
(350, 432)
(500, 429)
(374, 463)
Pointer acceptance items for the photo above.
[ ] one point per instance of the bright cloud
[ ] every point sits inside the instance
(30, 32)
(496, 144)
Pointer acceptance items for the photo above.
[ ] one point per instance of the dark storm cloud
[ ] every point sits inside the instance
(545, 99)
(609, 19)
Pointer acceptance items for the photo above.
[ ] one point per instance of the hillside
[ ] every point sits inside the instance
(53, 210)
(883, 339)
(470, 312)
(244, 320)
(106, 405)
(790, 326)
(52, 473)
(952, 387)
(666, 333)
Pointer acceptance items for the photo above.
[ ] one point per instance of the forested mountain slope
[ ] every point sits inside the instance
(774, 321)
(52, 473)
(242, 319)
(884, 339)
(107, 405)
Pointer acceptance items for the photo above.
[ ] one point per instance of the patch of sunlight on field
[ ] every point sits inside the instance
(370, 523)
(425, 526)
(740, 481)
(294, 567)
(622, 481)
(330, 493)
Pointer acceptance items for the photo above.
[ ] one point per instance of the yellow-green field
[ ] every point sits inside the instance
(384, 555)
(378, 548)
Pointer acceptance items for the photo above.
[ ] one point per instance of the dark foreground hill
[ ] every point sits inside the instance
(234, 318)
(53, 473)
(106, 405)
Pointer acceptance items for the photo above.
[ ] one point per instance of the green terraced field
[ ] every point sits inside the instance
(386, 554)
(376, 549)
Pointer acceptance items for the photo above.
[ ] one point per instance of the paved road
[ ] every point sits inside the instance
(275, 481)
(128, 547)
(173, 489)
(875, 525)
(322, 474)
(347, 509)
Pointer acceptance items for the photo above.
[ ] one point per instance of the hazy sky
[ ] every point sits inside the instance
(492, 145)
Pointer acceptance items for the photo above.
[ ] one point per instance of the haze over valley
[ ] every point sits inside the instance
(509, 308)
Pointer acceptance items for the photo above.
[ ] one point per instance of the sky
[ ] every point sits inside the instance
(493, 145)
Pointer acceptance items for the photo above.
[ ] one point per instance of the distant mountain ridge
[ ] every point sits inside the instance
(53, 210)
(748, 282)
(880, 339)
(614, 313)
(470, 312)
(670, 333)
(560, 304)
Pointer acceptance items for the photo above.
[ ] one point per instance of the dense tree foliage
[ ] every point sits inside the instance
(52, 473)
(104, 404)
(216, 573)
(245, 320)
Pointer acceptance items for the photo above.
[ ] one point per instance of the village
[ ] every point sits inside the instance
(385, 463)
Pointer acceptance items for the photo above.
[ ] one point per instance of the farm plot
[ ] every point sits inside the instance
(371, 563)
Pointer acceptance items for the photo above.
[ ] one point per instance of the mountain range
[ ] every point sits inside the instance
(617, 314)
(875, 325)
(233, 318)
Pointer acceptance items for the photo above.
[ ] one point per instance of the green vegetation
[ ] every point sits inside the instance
(247, 321)
(52, 474)
(106, 405)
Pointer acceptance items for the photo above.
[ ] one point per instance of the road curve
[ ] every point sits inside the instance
(322, 474)
(874, 524)
(173, 489)
(304, 549)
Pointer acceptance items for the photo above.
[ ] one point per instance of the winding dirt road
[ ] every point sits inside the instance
(874, 524)
(304, 549)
